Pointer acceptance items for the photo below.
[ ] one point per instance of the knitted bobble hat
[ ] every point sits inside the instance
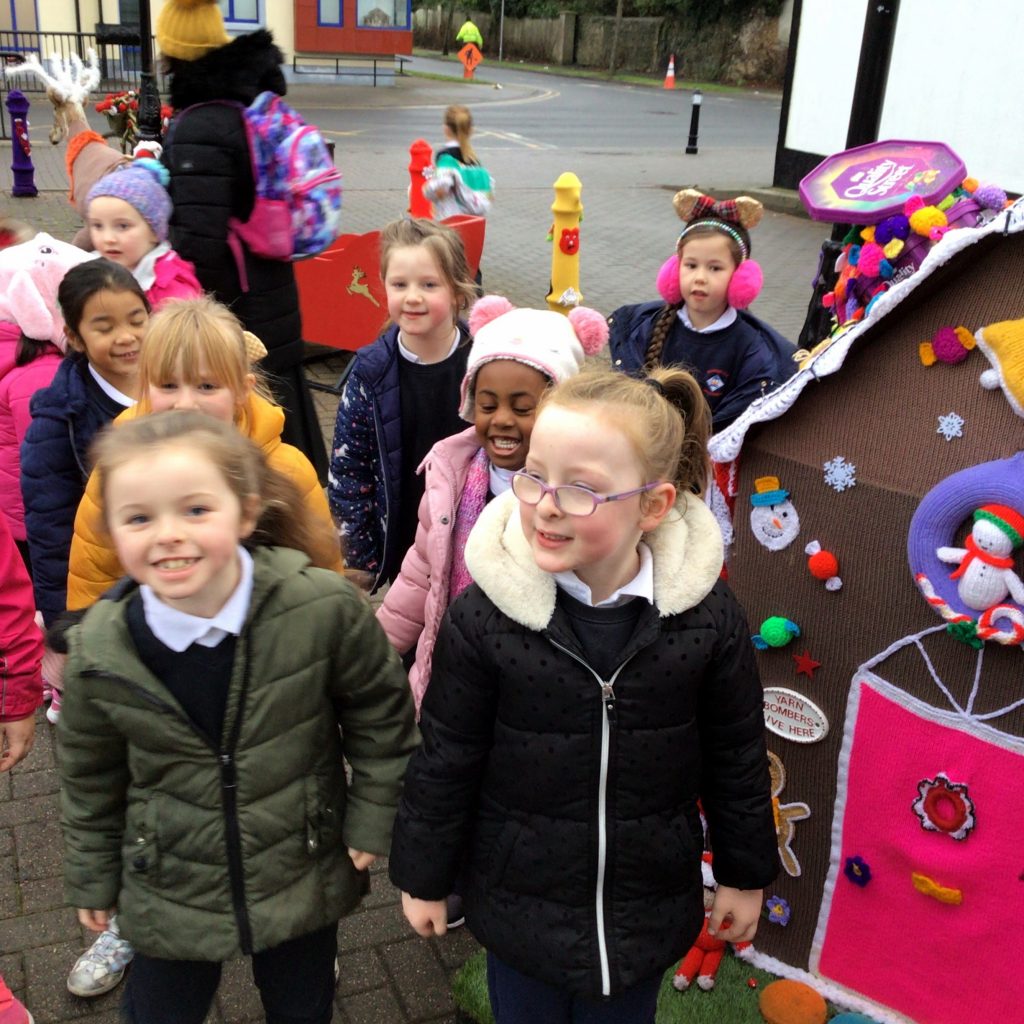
(140, 185)
(189, 29)
(549, 342)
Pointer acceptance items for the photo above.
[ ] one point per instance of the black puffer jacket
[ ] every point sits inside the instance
(567, 815)
(211, 181)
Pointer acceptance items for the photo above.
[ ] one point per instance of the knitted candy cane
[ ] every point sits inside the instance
(986, 629)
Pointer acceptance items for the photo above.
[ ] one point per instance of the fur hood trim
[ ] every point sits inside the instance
(687, 549)
(239, 71)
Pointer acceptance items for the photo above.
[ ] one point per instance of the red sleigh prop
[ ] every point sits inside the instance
(341, 295)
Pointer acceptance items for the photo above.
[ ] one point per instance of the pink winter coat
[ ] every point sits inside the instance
(418, 598)
(17, 386)
(175, 279)
(21, 643)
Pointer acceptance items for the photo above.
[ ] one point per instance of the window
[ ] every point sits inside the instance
(383, 13)
(246, 12)
(329, 12)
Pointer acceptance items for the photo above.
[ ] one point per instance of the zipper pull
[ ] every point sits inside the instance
(227, 771)
(608, 696)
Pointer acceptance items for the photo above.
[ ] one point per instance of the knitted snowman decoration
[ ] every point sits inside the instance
(773, 517)
(985, 575)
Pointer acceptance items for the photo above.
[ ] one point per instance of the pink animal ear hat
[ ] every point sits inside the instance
(30, 274)
(551, 343)
(732, 217)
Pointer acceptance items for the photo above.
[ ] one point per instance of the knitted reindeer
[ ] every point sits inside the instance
(68, 84)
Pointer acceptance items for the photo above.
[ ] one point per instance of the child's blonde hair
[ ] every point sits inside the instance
(459, 121)
(664, 415)
(284, 518)
(442, 242)
(187, 333)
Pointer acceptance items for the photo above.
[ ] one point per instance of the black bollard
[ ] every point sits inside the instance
(691, 145)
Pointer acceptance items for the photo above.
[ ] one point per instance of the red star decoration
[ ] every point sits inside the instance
(805, 664)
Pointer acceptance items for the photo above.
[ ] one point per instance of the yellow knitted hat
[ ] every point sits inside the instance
(1003, 345)
(188, 29)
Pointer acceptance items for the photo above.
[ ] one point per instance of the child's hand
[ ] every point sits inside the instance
(361, 860)
(739, 909)
(427, 917)
(16, 740)
(95, 920)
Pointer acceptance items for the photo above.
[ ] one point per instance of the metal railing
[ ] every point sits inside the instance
(120, 62)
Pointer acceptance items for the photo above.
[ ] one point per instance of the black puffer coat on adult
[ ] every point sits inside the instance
(564, 807)
(211, 181)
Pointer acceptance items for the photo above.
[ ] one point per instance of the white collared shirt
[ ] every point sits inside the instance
(725, 320)
(145, 269)
(499, 480)
(109, 390)
(641, 585)
(413, 358)
(179, 630)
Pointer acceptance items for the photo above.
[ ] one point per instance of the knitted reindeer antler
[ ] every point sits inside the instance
(68, 84)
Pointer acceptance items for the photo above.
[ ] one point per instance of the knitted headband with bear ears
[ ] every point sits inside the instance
(731, 217)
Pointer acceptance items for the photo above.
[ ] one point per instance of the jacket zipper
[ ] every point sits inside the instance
(384, 480)
(229, 788)
(607, 721)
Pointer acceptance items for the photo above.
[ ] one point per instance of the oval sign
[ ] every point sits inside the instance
(792, 716)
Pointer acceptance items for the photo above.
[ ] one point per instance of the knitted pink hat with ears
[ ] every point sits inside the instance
(549, 342)
(30, 275)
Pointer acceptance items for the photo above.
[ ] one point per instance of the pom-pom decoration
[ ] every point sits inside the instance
(870, 262)
(912, 205)
(927, 217)
(591, 328)
(823, 565)
(892, 227)
(992, 197)
(486, 309)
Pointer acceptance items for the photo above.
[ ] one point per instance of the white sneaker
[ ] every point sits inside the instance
(53, 711)
(101, 967)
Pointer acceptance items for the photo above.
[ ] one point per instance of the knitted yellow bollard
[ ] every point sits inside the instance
(565, 244)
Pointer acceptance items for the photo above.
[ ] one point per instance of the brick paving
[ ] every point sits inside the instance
(388, 976)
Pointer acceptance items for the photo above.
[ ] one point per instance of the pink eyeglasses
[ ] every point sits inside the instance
(568, 498)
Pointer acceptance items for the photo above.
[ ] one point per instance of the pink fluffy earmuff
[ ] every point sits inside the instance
(744, 285)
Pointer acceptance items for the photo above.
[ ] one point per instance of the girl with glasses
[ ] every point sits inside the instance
(596, 681)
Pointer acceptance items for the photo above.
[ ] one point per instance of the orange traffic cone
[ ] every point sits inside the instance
(670, 75)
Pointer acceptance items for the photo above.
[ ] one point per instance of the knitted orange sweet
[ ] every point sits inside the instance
(792, 1002)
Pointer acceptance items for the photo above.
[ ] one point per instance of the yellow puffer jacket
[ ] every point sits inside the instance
(94, 567)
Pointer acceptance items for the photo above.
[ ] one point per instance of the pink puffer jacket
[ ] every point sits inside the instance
(17, 386)
(416, 602)
(21, 643)
(175, 279)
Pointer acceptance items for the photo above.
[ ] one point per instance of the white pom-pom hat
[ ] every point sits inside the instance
(551, 343)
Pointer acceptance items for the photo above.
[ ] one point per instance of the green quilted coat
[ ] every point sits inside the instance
(208, 853)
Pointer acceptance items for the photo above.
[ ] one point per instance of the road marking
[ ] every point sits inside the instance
(514, 137)
(540, 97)
(329, 131)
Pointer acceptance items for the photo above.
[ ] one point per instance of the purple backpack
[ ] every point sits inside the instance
(297, 212)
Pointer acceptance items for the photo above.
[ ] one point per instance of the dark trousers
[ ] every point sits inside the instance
(295, 979)
(518, 999)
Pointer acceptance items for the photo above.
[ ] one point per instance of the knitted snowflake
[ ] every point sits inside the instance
(951, 425)
(840, 474)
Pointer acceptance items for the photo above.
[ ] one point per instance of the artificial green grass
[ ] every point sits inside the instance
(731, 1001)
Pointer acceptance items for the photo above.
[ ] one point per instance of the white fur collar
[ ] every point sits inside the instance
(687, 549)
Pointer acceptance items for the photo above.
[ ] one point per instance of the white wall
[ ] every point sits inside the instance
(970, 97)
(953, 78)
(824, 74)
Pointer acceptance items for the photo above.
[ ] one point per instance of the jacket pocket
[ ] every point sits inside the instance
(140, 849)
(325, 811)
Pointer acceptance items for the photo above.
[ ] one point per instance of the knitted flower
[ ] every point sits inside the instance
(857, 871)
(777, 910)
